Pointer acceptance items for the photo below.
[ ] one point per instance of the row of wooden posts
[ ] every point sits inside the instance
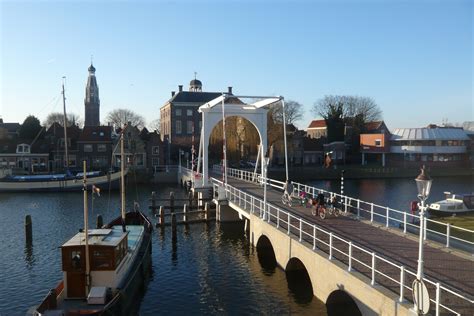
(158, 211)
(188, 209)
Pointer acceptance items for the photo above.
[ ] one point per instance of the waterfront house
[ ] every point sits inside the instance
(95, 147)
(317, 129)
(9, 130)
(134, 149)
(179, 117)
(154, 150)
(410, 147)
(54, 137)
(23, 156)
(375, 142)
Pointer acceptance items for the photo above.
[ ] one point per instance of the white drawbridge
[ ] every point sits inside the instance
(222, 107)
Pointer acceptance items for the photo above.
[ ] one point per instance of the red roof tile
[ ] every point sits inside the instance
(317, 124)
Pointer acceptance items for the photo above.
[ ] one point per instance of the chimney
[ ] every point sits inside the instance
(172, 93)
(229, 90)
(180, 88)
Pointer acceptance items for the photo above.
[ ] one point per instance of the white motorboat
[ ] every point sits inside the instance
(454, 204)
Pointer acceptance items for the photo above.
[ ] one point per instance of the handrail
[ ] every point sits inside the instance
(312, 233)
(391, 217)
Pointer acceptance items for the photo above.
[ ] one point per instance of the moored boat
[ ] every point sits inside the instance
(454, 204)
(102, 267)
(58, 182)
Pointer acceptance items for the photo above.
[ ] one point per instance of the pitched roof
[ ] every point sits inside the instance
(370, 126)
(96, 134)
(317, 124)
(429, 134)
(10, 127)
(194, 97)
(57, 130)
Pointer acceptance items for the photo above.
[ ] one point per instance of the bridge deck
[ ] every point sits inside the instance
(450, 268)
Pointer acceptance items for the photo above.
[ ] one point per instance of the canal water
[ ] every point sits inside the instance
(205, 269)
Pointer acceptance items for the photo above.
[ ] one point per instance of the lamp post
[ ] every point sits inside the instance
(423, 184)
(265, 169)
(284, 138)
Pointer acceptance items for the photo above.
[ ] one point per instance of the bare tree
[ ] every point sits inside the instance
(154, 125)
(58, 117)
(293, 112)
(352, 106)
(120, 117)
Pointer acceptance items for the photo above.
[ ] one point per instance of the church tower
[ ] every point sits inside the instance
(92, 102)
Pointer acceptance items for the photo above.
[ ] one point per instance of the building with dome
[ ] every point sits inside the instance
(180, 120)
(92, 102)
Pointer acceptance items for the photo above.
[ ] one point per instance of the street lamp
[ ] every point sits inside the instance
(265, 169)
(423, 184)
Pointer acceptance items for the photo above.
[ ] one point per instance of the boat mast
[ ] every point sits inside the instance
(86, 227)
(122, 177)
(65, 128)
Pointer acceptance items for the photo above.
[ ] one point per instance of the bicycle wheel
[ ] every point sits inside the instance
(313, 211)
(322, 213)
(289, 201)
(283, 199)
(335, 211)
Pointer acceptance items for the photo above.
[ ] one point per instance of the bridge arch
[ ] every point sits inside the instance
(299, 281)
(266, 255)
(228, 106)
(340, 303)
(240, 128)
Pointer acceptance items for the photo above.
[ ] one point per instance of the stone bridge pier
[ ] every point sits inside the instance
(331, 282)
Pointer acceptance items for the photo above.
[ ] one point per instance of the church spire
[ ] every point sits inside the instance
(92, 102)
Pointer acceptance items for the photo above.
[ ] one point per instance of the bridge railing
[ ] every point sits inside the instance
(376, 267)
(449, 235)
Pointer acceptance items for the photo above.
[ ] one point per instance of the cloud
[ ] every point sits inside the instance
(52, 60)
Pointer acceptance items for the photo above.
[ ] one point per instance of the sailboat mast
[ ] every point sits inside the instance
(122, 176)
(66, 158)
(86, 228)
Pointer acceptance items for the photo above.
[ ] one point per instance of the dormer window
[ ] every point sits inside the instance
(23, 149)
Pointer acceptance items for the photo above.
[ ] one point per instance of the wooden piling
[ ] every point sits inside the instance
(173, 222)
(28, 229)
(190, 199)
(162, 216)
(185, 215)
(172, 202)
(153, 202)
(100, 221)
(206, 211)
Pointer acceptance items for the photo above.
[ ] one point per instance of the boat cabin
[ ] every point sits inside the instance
(107, 250)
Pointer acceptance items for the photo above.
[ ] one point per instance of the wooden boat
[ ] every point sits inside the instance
(454, 204)
(58, 182)
(102, 267)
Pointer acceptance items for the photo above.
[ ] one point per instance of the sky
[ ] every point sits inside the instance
(414, 58)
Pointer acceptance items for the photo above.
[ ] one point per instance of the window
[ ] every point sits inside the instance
(155, 150)
(178, 127)
(189, 112)
(76, 260)
(88, 148)
(23, 148)
(189, 127)
(378, 143)
(101, 148)
(139, 160)
(178, 112)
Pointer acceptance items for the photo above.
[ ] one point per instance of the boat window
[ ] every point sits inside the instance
(459, 207)
(451, 207)
(101, 259)
(76, 259)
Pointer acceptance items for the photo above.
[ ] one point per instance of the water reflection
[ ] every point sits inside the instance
(29, 255)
